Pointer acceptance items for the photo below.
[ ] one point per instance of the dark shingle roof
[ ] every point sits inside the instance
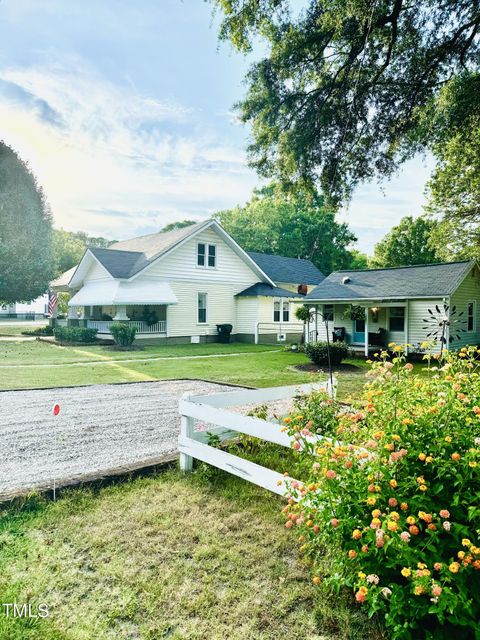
(282, 269)
(120, 264)
(262, 289)
(422, 281)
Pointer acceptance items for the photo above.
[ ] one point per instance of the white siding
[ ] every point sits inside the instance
(247, 314)
(181, 264)
(182, 317)
(96, 272)
(468, 291)
(338, 321)
(417, 311)
(265, 317)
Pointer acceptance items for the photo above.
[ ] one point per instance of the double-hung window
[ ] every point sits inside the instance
(397, 318)
(328, 312)
(276, 310)
(471, 316)
(202, 308)
(286, 311)
(206, 255)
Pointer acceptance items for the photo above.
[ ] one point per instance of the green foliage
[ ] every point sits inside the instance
(62, 302)
(317, 352)
(397, 497)
(180, 224)
(319, 412)
(123, 333)
(39, 331)
(454, 189)
(298, 225)
(69, 247)
(75, 334)
(25, 232)
(406, 244)
(303, 313)
(341, 90)
(358, 260)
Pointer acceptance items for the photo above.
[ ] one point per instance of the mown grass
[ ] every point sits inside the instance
(39, 365)
(198, 557)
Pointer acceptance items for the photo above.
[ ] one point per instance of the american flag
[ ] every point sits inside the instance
(52, 302)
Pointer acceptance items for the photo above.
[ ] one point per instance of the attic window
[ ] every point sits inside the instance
(346, 280)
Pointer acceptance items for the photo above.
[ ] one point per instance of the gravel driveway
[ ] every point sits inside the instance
(100, 429)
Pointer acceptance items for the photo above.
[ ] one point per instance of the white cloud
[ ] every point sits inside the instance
(112, 161)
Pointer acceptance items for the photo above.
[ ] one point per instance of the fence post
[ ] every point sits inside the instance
(186, 429)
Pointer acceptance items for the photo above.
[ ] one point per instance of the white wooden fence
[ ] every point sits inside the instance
(212, 409)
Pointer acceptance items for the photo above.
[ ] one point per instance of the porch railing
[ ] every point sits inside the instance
(103, 326)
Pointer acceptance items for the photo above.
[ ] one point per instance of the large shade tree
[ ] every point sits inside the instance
(407, 243)
(341, 94)
(69, 247)
(297, 225)
(26, 265)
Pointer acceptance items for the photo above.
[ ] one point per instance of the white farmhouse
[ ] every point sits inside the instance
(178, 286)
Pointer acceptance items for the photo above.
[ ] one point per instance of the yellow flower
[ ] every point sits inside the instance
(472, 464)
(419, 590)
(429, 459)
(411, 520)
(422, 456)
(357, 534)
(371, 500)
(396, 437)
(466, 542)
(392, 526)
(362, 575)
(454, 567)
(393, 483)
(448, 438)
(461, 555)
(376, 513)
(406, 572)
(423, 487)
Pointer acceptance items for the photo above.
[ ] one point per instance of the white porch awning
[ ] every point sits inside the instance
(116, 292)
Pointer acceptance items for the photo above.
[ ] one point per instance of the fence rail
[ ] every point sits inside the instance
(103, 326)
(212, 409)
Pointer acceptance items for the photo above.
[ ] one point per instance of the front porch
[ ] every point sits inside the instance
(150, 321)
(364, 326)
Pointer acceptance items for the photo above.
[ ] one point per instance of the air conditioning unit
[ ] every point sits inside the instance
(281, 337)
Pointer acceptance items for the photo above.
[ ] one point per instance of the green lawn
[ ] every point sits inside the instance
(25, 365)
(171, 556)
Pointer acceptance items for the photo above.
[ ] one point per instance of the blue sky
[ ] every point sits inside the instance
(124, 111)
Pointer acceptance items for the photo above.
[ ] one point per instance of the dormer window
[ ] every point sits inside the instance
(206, 255)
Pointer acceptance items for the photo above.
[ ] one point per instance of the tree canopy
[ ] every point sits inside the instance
(405, 244)
(26, 264)
(342, 92)
(69, 247)
(179, 224)
(297, 225)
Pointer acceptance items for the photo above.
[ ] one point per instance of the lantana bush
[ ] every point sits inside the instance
(391, 486)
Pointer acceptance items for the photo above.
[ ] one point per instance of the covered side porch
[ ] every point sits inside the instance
(364, 325)
(143, 305)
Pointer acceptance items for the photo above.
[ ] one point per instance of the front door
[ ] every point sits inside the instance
(359, 331)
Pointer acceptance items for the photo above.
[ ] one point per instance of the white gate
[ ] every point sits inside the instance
(213, 410)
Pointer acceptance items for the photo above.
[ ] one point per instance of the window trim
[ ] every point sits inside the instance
(206, 255)
(285, 303)
(474, 316)
(277, 301)
(404, 317)
(202, 293)
(331, 317)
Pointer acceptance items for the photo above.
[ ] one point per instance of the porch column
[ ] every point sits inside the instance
(121, 312)
(72, 313)
(316, 322)
(405, 333)
(366, 332)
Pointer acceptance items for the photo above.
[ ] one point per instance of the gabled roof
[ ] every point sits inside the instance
(126, 259)
(120, 264)
(421, 281)
(263, 289)
(283, 269)
(154, 244)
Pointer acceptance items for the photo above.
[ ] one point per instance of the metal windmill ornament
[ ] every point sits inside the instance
(441, 319)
